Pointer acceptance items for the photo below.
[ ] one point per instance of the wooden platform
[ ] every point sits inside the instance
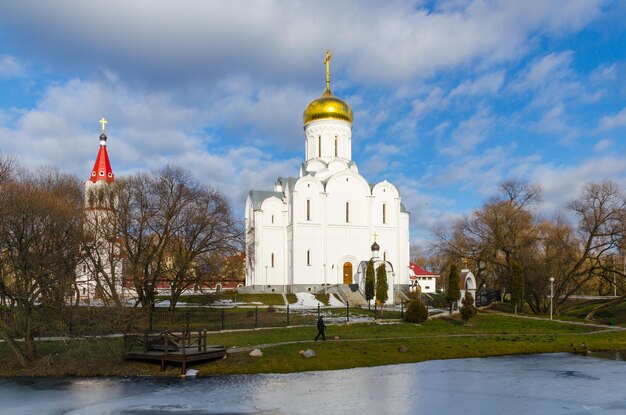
(167, 347)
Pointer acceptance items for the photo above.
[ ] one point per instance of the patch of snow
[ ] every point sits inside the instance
(306, 300)
(191, 372)
(334, 301)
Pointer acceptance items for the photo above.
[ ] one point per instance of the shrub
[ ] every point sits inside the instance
(468, 310)
(416, 311)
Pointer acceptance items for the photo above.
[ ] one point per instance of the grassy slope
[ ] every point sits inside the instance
(359, 345)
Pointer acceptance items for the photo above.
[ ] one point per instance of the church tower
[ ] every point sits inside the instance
(101, 175)
(327, 128)
(100, 274)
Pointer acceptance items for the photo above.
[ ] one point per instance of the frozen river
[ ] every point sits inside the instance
(537, 384)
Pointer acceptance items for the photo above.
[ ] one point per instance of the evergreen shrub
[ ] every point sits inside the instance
(416, 312)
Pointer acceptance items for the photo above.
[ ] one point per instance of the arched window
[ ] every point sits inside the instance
(347, 212)
(336, 145)
(319, 146)
(272, 260)
(384, 256)
(308, 209)
(384, 213)
(308, 257)
(272, 218)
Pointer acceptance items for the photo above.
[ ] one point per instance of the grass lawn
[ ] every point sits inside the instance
(578, 309)
(360, 344)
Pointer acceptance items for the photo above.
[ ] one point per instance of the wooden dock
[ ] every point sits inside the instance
(167, 347)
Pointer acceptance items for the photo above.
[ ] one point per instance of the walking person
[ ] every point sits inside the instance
(321, 327)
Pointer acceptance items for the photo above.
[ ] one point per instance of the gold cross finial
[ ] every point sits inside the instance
(375, 236)
(103, 121)
(327, 63)
(465, 262)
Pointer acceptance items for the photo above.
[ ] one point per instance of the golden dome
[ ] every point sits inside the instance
(327, 106)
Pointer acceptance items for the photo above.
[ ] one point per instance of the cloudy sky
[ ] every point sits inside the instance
(449, 97)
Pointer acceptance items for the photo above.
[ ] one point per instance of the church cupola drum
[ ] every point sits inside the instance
(312, 231)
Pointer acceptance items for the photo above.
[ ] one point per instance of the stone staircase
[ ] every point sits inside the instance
(349, 292)
(399, 295)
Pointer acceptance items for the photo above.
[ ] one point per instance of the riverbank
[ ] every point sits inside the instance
(356, 345)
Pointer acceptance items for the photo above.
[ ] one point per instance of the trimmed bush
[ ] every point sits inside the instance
(416, 312)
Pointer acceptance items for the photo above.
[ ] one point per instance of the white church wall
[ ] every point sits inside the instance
(307, 253)
(350, 188)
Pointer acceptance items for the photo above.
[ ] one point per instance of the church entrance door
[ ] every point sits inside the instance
(347, 273)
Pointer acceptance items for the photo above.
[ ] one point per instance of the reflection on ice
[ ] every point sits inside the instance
(555, 384)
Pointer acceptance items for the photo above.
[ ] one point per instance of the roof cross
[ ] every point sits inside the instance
(103, 122)
(327, 63)
(375, 236)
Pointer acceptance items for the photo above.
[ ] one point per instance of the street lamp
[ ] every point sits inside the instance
(393, 284)
(325, 284)
(551, 295)
(265, 285)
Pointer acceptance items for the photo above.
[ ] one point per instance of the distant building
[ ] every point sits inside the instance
(422, 280)
(467, 282)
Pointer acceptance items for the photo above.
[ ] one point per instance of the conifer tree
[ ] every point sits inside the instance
(453, 293)
(468, 309)
(370, 283)
(381, 285)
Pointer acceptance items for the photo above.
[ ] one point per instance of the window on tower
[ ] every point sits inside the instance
(347, 212)
(336, 145)
(308, 209)
(308, 257)
(272, 260)
(319, 146)
(384, 213)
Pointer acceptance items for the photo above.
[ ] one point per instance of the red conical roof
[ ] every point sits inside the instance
(102, 168)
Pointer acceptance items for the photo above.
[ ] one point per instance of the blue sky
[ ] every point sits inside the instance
(450, 98)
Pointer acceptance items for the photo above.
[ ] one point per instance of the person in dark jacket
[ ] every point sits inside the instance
(320, 329)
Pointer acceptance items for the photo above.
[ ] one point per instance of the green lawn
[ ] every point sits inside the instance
(358, 345)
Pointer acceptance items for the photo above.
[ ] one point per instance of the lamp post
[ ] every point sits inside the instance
(265, 285)
(551, 295)
(325, 279)
(393, 291)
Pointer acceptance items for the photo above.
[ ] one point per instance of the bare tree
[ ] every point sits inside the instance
(507, 230)
(40, 236)
(170, 225)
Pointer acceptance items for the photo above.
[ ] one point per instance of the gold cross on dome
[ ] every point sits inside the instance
(375, 236)
(465, 262)
(327, 63)
(103, 121)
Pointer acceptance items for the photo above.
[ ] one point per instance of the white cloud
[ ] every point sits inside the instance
(563, 183)
(145, 131)
(484, 85)
(10, 67)
(469, 134)
(548, 68)
(610, 122)
(602, 145)
(394, 41)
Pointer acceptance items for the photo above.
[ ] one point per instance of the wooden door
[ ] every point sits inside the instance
(347, 273)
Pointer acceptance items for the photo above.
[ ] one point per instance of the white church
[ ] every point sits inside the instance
(317, 230)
